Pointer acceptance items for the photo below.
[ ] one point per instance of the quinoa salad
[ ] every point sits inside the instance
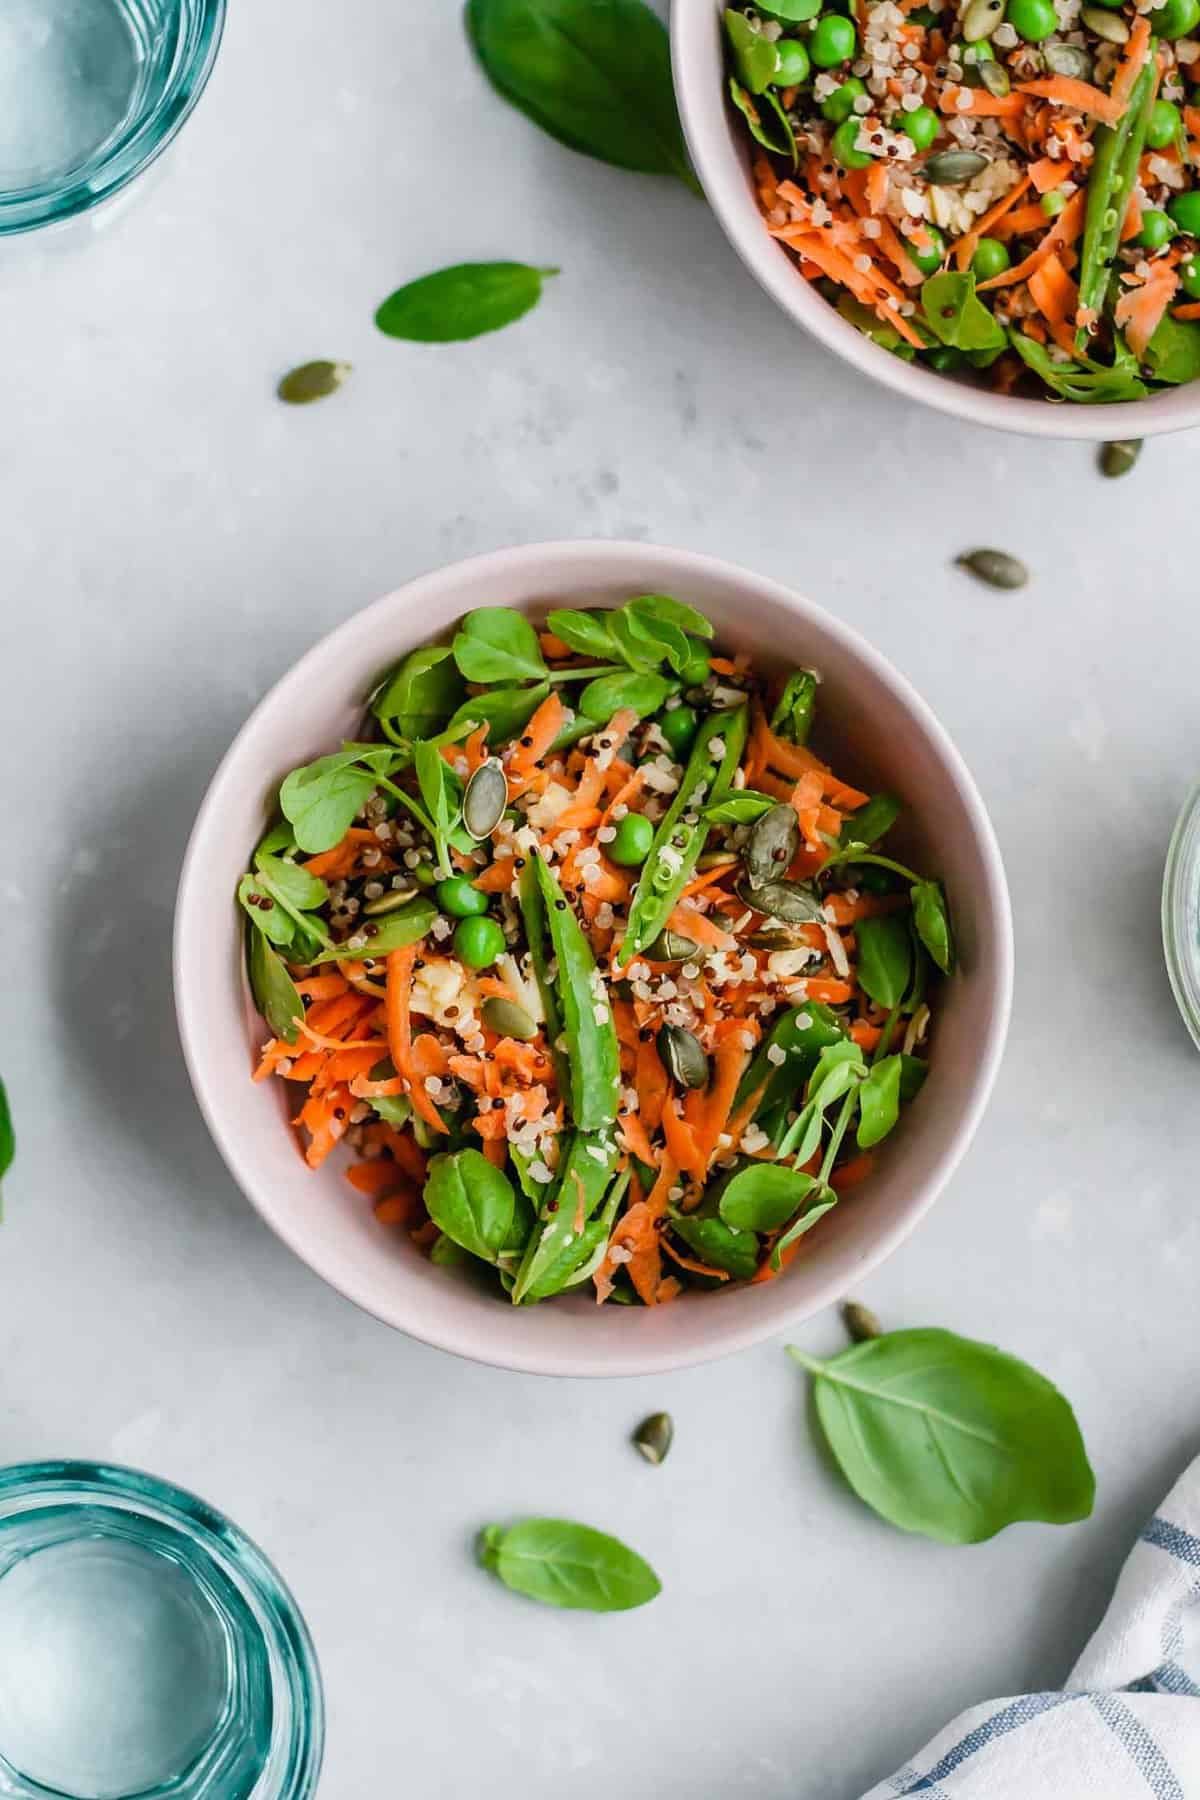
(998, 188)
(603, 978)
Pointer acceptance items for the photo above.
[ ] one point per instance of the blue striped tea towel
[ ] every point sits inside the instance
(1127, 1725)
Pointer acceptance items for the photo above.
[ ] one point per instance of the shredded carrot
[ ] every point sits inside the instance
(1132, 62)
(536, 739)
(1139, 310)
(399, 996)
(1081, 96)
(1048, 173)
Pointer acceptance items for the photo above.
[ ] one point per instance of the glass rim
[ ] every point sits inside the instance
(1181, 880)
(78, 1480)
(54, 202)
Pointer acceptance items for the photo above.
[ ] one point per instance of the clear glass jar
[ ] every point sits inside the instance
(90, 92)
(1181, 913)
(147, 1647)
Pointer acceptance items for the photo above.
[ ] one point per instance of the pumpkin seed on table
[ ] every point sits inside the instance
(996, 568)
(485, 799)
(312, 381)
(683, 1056)
(1119, 457)
(860, 1321)
(951, 168)
(654, 1437)
(507, 1019)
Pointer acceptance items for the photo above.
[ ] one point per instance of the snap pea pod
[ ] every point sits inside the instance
(584, 1254)
(1118, 150)
(672, 857)
(584, 1172)
(533, 917)
(587, 1022)
(793, 717)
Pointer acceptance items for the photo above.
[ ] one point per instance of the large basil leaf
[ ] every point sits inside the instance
(497, 644)
(885, 956)
(957, 316)
(419, 698)
(932, 921)
(642, 694)
(764, 1196)
(471, 1201)
(719, 1245)
(596, 77)
(568, 1565)
(464, 301)
(950, 1438)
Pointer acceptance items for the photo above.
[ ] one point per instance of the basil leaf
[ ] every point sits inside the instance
(740, 808)
(420, 696)
(764, 1196)
(505, 711)
(755, 57)
(933, 923)
(643, 694)
(1087, 384)
(568, 1565)
(497, 644)
(912, 1077)
(878, 1102)
(950, 1438)
(778, 137)
(290, 883)
(470, 1201)
(822, 1201)
(636, 645)
(870, 822)
(271, 920)
(322, 799)
(8, 1140)
(661, 637)
(396, 931)
(586, 633)
(956, 316)
(719, 1245)
(596, 77)
(275, 993)
(464, 301)
(277, 840)
(793, 715)
(885, 957)
(666, 610)
(1173, 353)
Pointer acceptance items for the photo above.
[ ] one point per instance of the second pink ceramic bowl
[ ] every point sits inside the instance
(885, 735)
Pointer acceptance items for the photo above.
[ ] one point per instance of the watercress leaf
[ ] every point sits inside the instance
(912, 1077)
(505, 711)
(764, 1196)
(497, 644)
(569, 1565)
(879, 1102)
(932, 920)
(471, 1201)
(596, 77)
(755, 56)
(279, 839)
(322, 798)
(290, 882)
(643, 694)
(275, 992)
(885, 958)
(838, 1067)
(949, 1437)
(1173, 353)
(956, 316)
(802, 1139)
(1086, 384)
(668, 611)
(870, 822)
(634, 643)
(775, 134)
(8, 1141)
(662, 638)
(464, 301)
(741, 808)
(587, 633)
(396, 931)
(422, 693)
(719, 1245)
(274, 924)
(821, 1201)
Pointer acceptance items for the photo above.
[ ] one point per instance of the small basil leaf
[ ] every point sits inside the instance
(461, 302)
(956, 316)
(471, 1201)
(884, 958)
(275, 993)
(322, 799)
(568, 1565)
(668, 611)
(8, 1141)
(587, 633)
(505, 711)
(870, 822)
(933, 923)
(950, 1438)
(642, 694)
(270, 919)
(421, 695)
(497, 644)
(878, 1102)
(764, 1197)
(719, 1245)
(290, 882)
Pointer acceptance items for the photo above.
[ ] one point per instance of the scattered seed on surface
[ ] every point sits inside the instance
(1119, 457)
(312, 381)
(994, 567)
(653, 1437)
(860, 1321)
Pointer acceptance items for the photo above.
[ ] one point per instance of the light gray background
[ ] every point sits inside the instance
(173, 538)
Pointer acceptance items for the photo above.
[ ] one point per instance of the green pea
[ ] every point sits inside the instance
(845, 148)
(1176, 19)
(631, 846)
(1189, 277)
(696, 669)
(991, 258)
(1053, 203)
(457, 897)
(838, 106)
(835, 40)
(679, 728)
(793, 65)
(1165, 125)
(928, 261)
(1185, 209)
(922, 126)
(478, 942)
(1157, 230)
(1034, 20)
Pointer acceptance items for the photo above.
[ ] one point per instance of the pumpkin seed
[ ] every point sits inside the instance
(1119, 457)
(312, 381)
(714, 859)
(1071, 60)
(683, 1056)
(771, 845)
(507, 1019)
(860, 1321)
(670, 947)
(1105, 24)
(995, 78)
(485, 799)
(780, 939)
(995, 567)
(981, 19)
(653, 1437)
(950, 168)
(795, 902)
(386, 903)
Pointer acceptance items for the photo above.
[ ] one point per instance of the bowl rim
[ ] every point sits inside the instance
(779, 277)
(531, 561)
(1178, 906)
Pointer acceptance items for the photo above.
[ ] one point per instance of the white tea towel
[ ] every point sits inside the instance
(1127, 1725)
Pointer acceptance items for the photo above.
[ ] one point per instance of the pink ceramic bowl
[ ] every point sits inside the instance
(884, 735)
(718, 149)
